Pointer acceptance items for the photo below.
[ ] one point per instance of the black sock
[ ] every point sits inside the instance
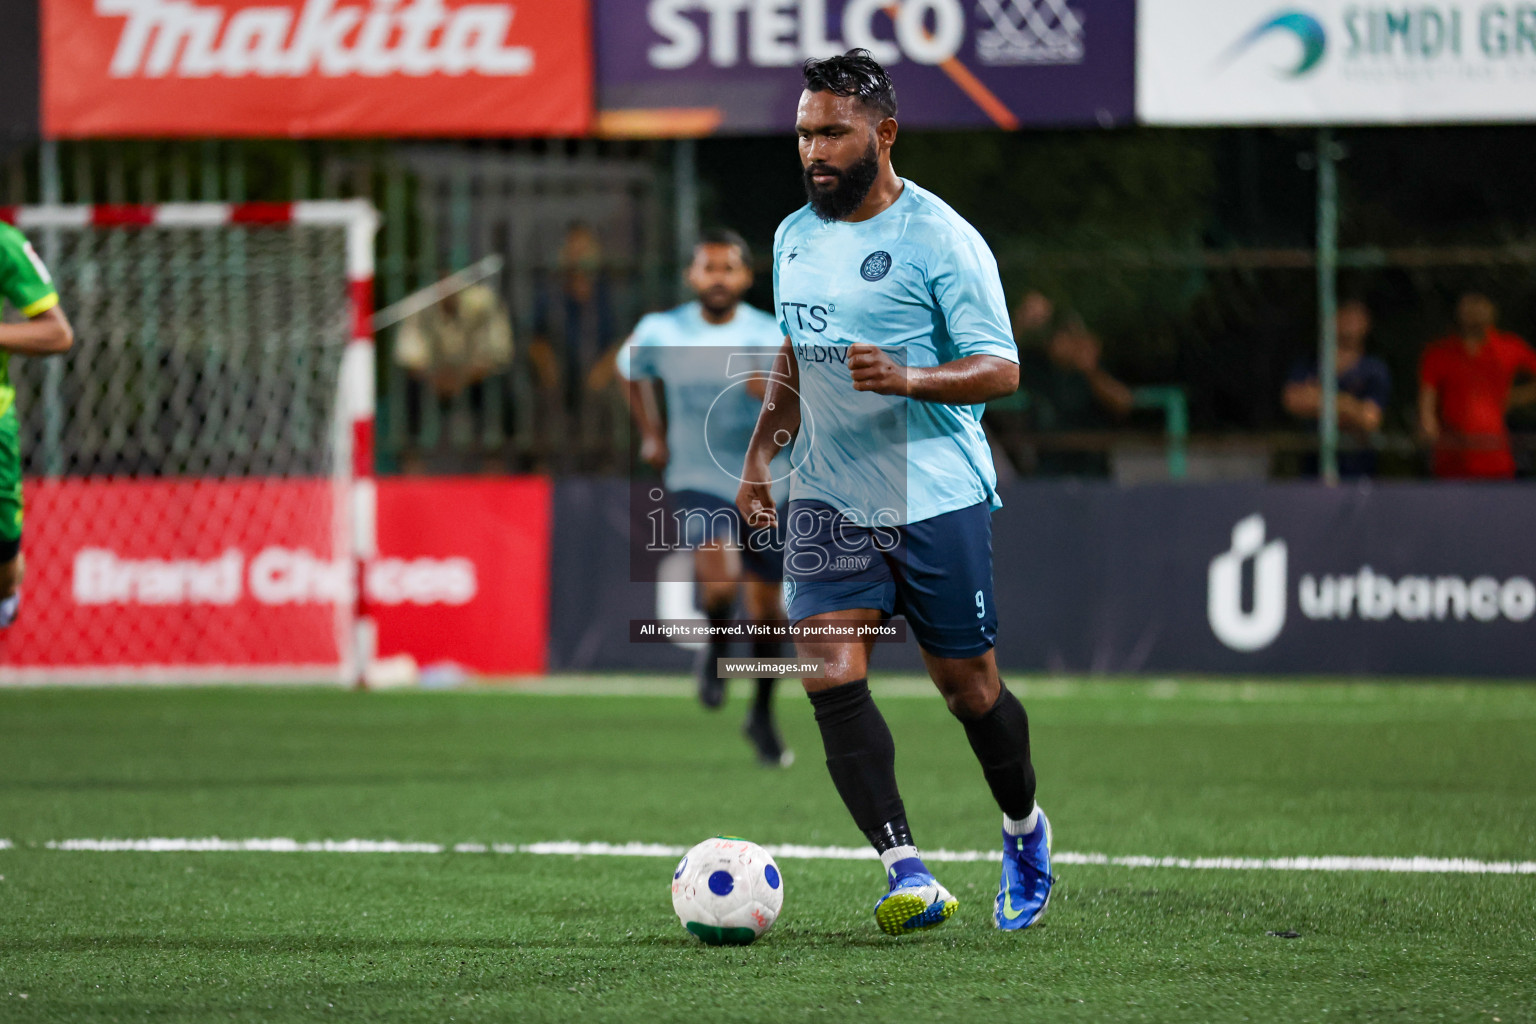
(1000, 739)
(762, 649)
(861, 757)
(721, 614)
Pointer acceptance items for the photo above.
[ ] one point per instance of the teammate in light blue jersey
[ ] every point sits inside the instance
(893, 314)
(710, 359)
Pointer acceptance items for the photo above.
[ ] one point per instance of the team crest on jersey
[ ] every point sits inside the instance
(876, 265)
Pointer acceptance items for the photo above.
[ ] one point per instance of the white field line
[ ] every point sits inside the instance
(213, 844)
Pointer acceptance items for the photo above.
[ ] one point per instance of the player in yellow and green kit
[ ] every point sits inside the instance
(27, 288)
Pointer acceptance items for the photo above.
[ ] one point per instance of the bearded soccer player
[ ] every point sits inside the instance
(894, 317)
(710, 357)
(27, 287)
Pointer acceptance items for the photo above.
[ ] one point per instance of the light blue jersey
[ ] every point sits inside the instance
(920, 283)
(703, 368)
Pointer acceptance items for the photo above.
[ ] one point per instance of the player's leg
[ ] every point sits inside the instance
(945, 590)
(764, 602)
(716, 567)
(762, 561)
(829, 581)
(12, 565)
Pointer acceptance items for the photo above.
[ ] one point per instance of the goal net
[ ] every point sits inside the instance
(196, 468)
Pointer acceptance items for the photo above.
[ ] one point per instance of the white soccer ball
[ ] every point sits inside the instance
(727, 891)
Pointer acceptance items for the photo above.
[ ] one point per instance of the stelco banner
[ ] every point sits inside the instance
(670, 67)
(242, 578)
(315, 67)
(1214, 62)
(1413, 580)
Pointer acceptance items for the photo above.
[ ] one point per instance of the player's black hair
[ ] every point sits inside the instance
(854, 73)
(725, 236)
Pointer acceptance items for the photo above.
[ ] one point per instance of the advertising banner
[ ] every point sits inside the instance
(1410, 580)
(18, 76)
(308, 68)
(463, 572)
(246, 578)
(691, 67)
(1249, 62)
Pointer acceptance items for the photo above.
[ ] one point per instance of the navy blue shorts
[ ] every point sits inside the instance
(936, 572)
(705, 518)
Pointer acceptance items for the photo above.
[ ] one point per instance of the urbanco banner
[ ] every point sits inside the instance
(1295, 579)
(1248, 62)
(315, 68)
(691, 67)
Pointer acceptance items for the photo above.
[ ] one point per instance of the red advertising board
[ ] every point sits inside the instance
(315, 68)
(463, 572)
(250, 578)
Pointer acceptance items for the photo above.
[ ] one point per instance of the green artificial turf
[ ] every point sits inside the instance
(1162, 768)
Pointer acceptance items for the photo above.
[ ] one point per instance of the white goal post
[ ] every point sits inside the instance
(198, 469)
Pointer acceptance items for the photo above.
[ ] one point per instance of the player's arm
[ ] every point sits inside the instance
(1524, 393)
(1429, 413)
(970, 380)
(1429, 397)
(777, 425)
(45, 334)
(644, 408)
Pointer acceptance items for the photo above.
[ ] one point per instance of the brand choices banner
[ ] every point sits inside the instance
(1207, 62)
(463, 572)
(695, 66)
(315, 67)
(245, 577)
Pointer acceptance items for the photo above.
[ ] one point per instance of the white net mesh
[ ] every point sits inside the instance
(185, 467)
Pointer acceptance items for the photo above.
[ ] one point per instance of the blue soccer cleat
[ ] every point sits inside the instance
(1026, 882)
(916, 902)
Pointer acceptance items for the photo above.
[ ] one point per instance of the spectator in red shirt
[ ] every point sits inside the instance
(1466, 384)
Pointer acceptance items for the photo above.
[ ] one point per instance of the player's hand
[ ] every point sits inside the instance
(755, 502)
(875, 371)
(653, 452)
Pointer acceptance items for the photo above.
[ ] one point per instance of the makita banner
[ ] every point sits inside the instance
(690, 67)
(306, 68)
(252, 578)
(1218, 62)
(1412, 579)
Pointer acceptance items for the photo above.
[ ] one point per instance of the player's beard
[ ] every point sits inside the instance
(853, 184)
(718, 301)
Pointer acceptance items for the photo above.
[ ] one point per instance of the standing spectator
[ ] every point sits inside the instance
(1465, 387)
(450, 349)
(1365, 385)
(1069, 392)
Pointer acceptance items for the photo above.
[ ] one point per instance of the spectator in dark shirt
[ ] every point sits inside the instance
(1466, 385)
(1365, 385)
(1069, 392)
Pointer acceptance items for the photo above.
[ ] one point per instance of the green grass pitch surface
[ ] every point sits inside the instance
(1160, 768)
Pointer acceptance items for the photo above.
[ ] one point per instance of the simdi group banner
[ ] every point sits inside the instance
(246, 579)
(1251, 62)
(690, 67)
(315, 68)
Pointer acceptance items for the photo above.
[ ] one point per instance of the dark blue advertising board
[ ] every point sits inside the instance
(1409, 580)
(685, 67)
